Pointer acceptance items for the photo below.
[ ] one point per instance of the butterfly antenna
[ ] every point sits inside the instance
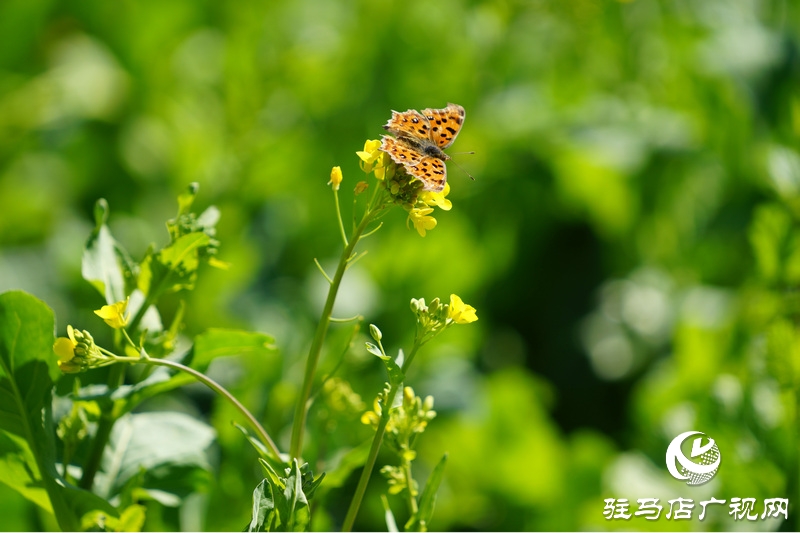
(462, 168)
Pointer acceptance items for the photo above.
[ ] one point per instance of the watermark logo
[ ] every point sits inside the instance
(702, 463)
(699, 467)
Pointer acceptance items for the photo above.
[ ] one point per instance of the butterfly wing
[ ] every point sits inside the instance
(444, 124)
(432, 172)
(408, 124)
(429, 170)
(400, 153)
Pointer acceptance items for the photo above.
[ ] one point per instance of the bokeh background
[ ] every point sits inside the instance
(629, 240)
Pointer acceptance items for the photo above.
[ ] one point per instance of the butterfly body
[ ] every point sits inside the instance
(420, 140)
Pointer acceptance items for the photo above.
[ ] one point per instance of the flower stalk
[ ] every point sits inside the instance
(301, 409)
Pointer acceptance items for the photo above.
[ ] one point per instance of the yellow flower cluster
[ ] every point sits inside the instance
(77, 351)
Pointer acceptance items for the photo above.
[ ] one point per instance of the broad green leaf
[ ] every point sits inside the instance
(427, 499)
(265, 516)
(27, 370)
(217, 342)
(280, 504)
(173, 268)
(106, 265)
(18, 471)
(28, 366)
(169, 446)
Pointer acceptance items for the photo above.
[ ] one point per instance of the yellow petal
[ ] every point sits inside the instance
(114, 314)
(461, 313)
(64, 348)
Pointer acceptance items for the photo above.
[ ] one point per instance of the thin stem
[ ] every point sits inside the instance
(216, 387)
(301, 409)
(377, 440)
(370, 232)
(349, 319)
(116, 377)
(412, 497)
(339, 216)
(325, 274)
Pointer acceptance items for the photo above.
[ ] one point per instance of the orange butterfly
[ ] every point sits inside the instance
(421, 137)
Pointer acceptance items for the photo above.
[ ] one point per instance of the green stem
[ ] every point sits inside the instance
(216, 387)
(377, 440)
(301, 410)
(339, 216)
(412, 497)
(116, 377)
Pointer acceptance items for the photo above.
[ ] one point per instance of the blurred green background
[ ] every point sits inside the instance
(629, 241)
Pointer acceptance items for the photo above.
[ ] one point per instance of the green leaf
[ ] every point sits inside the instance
(265, 516)
(396, 375)
(106, 265)
(298, 512)
(28, 368)
(280, 504)
(169, 446)
(17, 470)
(427, 499)
(173, 268)
(132, 518)
(374, 350)
(223, 342)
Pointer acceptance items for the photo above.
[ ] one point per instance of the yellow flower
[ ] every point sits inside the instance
(64, 348)
(114, 314)
(419, 216)
(438, 198)
(372, 418)
(336, 178)
(384, 167)
(461, 313)
(370, 155)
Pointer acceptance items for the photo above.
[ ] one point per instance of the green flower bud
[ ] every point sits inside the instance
(375, 332)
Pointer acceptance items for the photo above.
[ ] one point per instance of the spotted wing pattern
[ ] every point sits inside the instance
(445, 124)
(408, 124)
(400, 153)
(430, 170)
(420, 139)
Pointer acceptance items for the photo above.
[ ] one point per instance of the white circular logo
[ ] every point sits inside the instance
(704, 461)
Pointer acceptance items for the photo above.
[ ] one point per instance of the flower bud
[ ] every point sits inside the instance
(375, 332)
(336, 178)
